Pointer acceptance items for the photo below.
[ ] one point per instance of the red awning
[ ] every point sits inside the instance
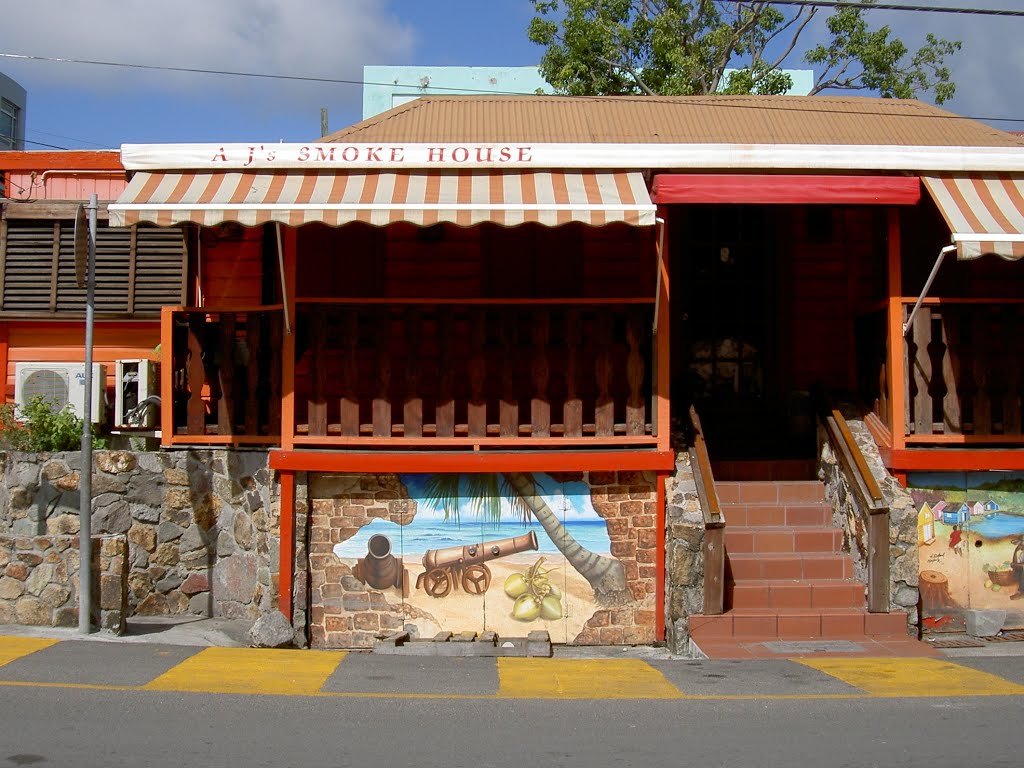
(785, 189)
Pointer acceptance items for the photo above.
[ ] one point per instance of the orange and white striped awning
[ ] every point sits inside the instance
(384, 197)
(985, 212)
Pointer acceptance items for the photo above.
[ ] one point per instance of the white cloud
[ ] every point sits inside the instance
(314, 38)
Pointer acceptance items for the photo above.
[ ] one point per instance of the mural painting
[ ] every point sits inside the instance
(971, 546)
(508, 553)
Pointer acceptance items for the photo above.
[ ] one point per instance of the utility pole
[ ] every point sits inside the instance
(85, 475)
(323, 122)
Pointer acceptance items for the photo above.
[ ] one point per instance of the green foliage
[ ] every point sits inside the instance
(684, 47)
(40, 427)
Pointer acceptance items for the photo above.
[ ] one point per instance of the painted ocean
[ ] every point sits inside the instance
(425, 532)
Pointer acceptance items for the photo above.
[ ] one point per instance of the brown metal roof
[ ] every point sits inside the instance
(675, 120)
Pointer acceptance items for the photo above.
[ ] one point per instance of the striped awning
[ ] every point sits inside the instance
(385, 197)
(985, 212)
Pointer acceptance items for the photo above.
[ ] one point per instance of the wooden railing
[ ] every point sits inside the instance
(962, 371)
(470, 374)
(714, 521)
(225, 375)
(871, 505)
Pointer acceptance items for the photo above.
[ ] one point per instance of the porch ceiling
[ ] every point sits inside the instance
(423, 198)
(985, 212)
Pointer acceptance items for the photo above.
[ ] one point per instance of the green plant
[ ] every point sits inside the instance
(40, 427)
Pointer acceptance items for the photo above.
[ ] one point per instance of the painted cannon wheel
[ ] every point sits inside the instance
(476, 579)
(437, 582)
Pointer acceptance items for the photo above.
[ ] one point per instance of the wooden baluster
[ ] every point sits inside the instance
(921, 371)
(952, 420)
(274, 405)
(350, 373)
(477, 408)
(253, 342)
(604, 408)
(382, 402)
(572, 411)
(317, 410)
(413, 406)
(635, 371)
(540, 405)
(444, 412)
(508, 413)
(226, 376)
(196, 412)
(996, 344)
(982, 368)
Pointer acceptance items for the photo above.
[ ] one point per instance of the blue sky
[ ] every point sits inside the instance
(87, 106)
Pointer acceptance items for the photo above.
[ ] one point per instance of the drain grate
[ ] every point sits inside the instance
(955, 641)
(1007, 637)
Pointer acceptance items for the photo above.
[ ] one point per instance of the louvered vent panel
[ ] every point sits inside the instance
(28, 265)
(159, 267)
(28, 269)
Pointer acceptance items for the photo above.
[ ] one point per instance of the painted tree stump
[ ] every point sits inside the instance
(934, 588)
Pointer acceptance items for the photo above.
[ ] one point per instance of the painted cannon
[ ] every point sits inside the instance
(444, 569)
(380, 569)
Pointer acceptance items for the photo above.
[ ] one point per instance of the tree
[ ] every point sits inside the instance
(605, 575)
(685, 47)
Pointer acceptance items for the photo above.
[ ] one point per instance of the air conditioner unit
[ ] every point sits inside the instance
(61, 384)
(137, 381)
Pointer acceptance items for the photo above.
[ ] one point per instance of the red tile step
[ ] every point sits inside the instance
(795, 566)
(790, 514)
(797, 624)
(781, 492)
(804, 595)
(779, 539)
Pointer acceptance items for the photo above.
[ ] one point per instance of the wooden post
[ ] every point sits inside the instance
(254, 343)
(317, 407)
(477, 408)
(444, 411)
(896, 347)
(540, 406)
(382, 400)
(350, 372)
(286, 395)
(508, 408)
(412, 411)
(604, 408)
(635, 372)
(196, 377)
(226, 375)
(168, 374)
(572, 411)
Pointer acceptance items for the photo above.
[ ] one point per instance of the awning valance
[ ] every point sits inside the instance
(985, 212)
(420, 197)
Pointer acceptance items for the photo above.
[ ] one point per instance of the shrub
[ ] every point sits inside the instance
(39, 427)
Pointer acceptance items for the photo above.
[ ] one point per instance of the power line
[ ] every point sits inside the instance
(490, 92)
(894, 7)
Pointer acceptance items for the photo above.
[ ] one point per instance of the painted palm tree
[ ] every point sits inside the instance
(606, 575)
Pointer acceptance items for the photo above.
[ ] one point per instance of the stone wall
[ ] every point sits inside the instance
(684, 555)
(903, 555)
(39, 583)
(202, 526)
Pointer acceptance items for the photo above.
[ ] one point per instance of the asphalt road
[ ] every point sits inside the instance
(108, 704)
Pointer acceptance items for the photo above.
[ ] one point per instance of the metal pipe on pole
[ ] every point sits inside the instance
(85, 474)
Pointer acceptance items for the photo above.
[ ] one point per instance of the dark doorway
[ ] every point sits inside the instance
(731, 332)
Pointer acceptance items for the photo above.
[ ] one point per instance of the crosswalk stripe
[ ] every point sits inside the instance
(914, 677)
(582, 679)
(13, 648)
(251, 671)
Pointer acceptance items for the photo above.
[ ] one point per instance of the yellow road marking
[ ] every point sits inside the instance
(914, 677)
(582, 679)
(13, 648)
(250, 670)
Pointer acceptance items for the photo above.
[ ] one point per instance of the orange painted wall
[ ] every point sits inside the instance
(65, 342)
(230, 268)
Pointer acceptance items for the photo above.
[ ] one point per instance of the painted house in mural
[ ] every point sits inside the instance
(461, 309)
